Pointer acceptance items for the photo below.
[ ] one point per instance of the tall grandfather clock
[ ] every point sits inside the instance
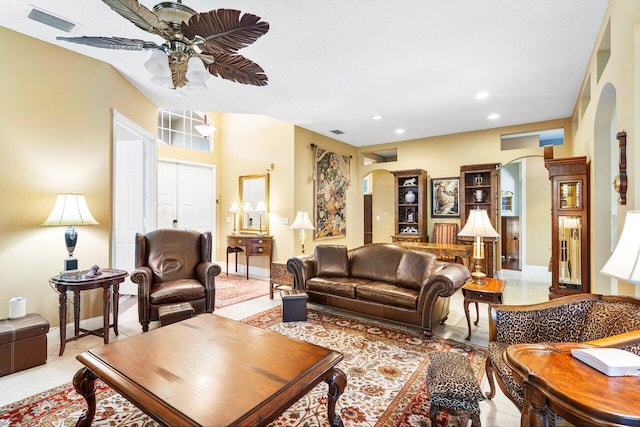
(569, 226)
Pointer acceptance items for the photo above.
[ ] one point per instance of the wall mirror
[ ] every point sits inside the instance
(254, 203)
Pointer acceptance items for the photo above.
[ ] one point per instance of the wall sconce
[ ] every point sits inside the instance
(70, 210)
(478, 226)
(260, 208)
(235, 208)
(302, 223)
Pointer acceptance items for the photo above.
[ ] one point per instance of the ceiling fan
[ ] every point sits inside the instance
(196, 45)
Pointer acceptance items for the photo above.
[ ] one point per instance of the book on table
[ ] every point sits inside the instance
(613, 362)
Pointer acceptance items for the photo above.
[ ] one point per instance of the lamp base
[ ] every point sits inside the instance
(70, 264)
(479, 278)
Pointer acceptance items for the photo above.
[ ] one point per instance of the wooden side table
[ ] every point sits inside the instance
(490, 292)
(280, 277)
(109, 280)
(251, 245)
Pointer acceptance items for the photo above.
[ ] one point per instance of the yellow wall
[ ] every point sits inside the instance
(55, 137)
(622, 73)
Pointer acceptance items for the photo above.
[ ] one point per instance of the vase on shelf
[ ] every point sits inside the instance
(410, 197)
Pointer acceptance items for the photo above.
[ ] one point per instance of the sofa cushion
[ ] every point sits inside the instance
(388, 294)
(563, 323)
(414, 268)
(496, 352)
(517, 326)
(378, 261)
(342, 286)
(332, 261)
(608, 318)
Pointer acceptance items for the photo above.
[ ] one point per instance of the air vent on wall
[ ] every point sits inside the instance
(337, 131)
(53, 21)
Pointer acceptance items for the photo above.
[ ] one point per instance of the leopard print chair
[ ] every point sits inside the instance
(608, 321)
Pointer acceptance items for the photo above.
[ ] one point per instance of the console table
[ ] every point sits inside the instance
(250, 245)
(461, 252)
(109, 280)
(556, 382)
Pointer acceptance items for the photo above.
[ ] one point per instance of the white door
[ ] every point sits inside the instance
(133, 193)
(186, 196)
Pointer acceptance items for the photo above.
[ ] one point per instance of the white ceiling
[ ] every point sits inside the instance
(333, 64)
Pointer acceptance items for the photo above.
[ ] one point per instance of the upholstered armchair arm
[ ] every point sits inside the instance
(303, 267)
(207, 272)
(628, 340)
(142, 276)
(439, 285)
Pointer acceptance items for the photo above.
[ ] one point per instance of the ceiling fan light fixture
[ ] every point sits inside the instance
(196, 71)
(205, 129)
(158, 64)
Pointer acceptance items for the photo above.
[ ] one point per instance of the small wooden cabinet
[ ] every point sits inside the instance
(570, 273)
(250, 245)
(479, 188)
(410, 206)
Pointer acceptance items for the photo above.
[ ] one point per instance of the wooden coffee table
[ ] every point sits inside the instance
(210, 370)
(556, 382)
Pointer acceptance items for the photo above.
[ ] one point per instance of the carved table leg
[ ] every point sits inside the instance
(466, 314)
(535, 409)
(84, 381)
(337, 381)
(489, 371)
(62, 314)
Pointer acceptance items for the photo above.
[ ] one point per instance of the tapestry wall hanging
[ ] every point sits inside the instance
(331, 178)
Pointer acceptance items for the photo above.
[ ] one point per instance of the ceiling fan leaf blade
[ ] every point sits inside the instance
(238, 69)
(112, 42)
(224, 30)
(140, 16)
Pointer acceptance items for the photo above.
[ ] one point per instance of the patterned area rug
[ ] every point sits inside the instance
(233, 289)
(385, 367)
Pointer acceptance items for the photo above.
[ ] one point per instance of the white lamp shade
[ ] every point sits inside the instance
(235, 207)
(158, 64)
(196, 72)
(70, 209)
(302, 222)
(205, 129)
(478, 224)
(624, 263)
(247, 207)
(260, 207)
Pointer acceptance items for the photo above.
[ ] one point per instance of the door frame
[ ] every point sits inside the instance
(149, 175)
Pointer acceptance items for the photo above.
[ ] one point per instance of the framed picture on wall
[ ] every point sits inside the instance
(445, 197)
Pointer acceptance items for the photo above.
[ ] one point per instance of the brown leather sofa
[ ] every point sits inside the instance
(173, 266)
(382, 280)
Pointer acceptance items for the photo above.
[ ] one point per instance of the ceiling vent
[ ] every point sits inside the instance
(337, 131)
(53, 21)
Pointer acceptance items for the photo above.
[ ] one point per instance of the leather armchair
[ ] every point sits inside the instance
(173, 266)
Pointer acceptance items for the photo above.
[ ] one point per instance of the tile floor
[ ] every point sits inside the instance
(60, 369)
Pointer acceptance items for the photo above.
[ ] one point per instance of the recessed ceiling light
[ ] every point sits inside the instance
(399, 131)
(494, 116)
(482, 95)
(376, 117)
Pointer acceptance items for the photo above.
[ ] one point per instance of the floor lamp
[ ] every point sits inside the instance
(478, 226)
(302, 223)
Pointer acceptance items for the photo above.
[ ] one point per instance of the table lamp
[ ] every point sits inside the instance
(302, 223)
(70, 210)
(260, 208)
(624, 263)
(235, 208)
(478, 226)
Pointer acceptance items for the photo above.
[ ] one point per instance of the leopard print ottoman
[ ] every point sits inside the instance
(453, 387)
